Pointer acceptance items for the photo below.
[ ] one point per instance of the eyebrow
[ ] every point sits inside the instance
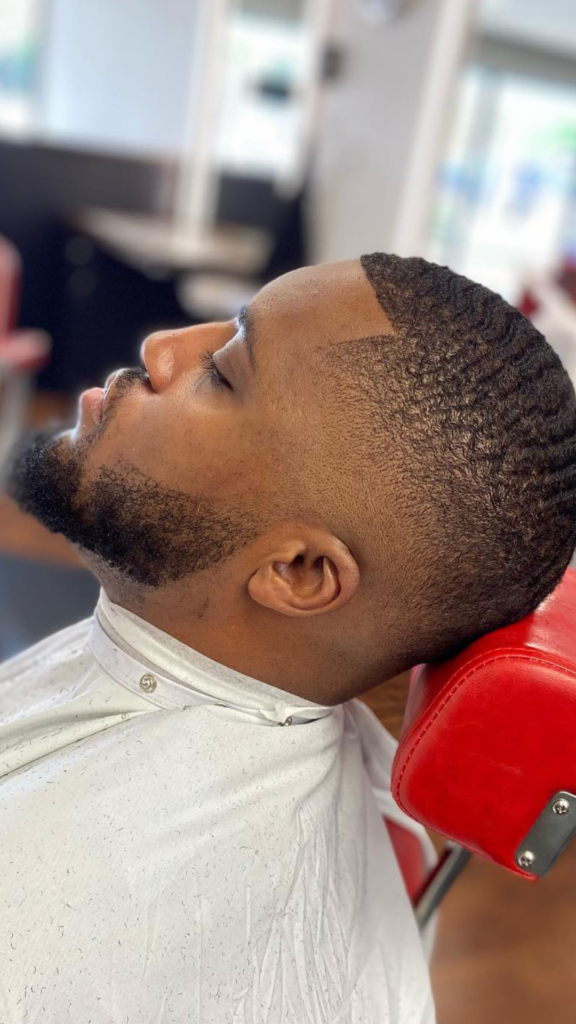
(246, 324)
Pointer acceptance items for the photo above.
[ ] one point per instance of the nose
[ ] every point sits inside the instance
(168, 354)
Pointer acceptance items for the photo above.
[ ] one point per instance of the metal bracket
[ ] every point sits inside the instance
(549, 835)
(452, 862)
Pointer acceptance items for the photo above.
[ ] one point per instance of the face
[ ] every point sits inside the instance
(176, 464)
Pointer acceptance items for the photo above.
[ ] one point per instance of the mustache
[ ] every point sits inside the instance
(122, 383)
(126, 378)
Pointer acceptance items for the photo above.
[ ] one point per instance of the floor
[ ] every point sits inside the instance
(505, 948)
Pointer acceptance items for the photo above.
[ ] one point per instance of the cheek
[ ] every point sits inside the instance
(212, 454)
(144, 439)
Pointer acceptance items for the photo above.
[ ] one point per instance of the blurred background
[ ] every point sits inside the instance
(160, 160)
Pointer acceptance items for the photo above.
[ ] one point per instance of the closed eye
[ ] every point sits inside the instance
(212, 372)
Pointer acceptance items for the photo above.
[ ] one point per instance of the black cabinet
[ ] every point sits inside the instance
(100, 310)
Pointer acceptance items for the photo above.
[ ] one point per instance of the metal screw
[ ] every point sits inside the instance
(561, 806)
(526, 859)
(148, 683)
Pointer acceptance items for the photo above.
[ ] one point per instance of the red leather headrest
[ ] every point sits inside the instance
(488, 750)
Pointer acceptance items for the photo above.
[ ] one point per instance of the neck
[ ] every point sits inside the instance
(299, 655)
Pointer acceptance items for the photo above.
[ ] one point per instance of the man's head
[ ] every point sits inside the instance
(377, 466)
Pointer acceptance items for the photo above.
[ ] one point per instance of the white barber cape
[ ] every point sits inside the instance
(182, 843)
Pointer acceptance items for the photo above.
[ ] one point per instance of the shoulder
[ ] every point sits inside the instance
(59, 647)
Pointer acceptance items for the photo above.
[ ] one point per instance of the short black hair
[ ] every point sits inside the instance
(483, 415)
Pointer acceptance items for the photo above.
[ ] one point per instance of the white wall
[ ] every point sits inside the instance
(545, 24)
(382, 128)
(116, 73)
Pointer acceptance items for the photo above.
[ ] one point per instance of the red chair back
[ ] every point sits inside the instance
(10, 284)
(487, 757)
(21, 354)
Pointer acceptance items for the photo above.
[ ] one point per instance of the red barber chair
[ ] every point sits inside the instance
(22, 352)
(487, 756)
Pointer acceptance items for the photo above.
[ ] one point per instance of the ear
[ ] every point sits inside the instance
(311, 573)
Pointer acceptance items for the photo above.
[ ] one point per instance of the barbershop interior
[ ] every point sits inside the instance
(162, 161)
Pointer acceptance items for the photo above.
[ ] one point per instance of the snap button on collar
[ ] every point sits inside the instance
(148, 683)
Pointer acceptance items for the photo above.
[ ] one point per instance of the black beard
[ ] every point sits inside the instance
(150, 534)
